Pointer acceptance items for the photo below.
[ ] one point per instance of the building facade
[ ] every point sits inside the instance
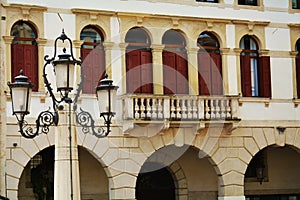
(208, 100)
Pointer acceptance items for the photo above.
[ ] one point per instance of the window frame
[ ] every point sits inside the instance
(24, 52)
(143, 67)
(98, 49)
(175, 57)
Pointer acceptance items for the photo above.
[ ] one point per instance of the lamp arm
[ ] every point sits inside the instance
(44, 120)
(86, 121)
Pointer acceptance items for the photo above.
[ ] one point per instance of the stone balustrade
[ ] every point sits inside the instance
(161, 107)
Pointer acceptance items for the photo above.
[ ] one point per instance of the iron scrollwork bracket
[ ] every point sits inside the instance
(86, 121)
(44, 120)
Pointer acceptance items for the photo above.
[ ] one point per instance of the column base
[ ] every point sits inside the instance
(232, 198)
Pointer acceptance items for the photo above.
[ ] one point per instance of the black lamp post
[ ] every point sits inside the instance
(64, 68)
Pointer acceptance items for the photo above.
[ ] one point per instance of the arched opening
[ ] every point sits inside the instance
(37, 179)
(93, 57)
(193, 177)
(273, 173)
(158, 184)
(24, 52)
(209, 65)
(175, 64)
(255, 70)
(93, 179)
(139, 73)
(298, 67)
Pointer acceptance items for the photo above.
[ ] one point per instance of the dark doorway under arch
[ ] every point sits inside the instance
(158, 185)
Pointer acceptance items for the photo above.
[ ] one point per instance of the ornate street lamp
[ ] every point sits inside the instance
(64, 68)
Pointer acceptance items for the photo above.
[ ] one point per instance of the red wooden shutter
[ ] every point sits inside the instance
(204, 70)
(169, 72)
(94, 68)
(133, 73)
(87, 69)
(216, 74)
(246, 76)
(31, 64)
(146, 72)
(182, 81)
(17, 60)
(25, 57)
(264, 77)
(298, 76)
(98, 67)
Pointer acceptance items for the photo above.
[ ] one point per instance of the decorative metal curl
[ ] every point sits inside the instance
(86, 121)
(44, 120)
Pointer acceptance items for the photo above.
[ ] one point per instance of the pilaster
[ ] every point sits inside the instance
(225, 70)
(238, 52)
(158, 81)
(193, 71)
(122, 56)
(108, 61)
(41, 42)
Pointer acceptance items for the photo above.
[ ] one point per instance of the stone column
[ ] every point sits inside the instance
(77, 45)
(238, 69)
(8, 40)
(41, 44)
(108, 62)
(293, 57)
(225, 69)
(64, 161)
(122, 56)
(193, 71)
(158, 81)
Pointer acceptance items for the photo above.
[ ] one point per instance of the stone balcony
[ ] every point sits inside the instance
(172, 110)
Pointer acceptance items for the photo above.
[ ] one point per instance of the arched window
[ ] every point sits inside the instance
(24, 52)
(175, 69)
(138, 62)
(209, 65)
(255, 70)
(93, 56)
(298, 67)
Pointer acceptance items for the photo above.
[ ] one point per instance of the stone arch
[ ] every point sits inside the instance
(147, 31)
(258, 37)
(202, 142)
(84, 19)
(35, 17)
(20, 156)
(90, 167)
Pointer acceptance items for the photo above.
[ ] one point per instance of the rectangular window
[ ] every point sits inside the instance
(248, 2)
(209, 1)
(296, 4)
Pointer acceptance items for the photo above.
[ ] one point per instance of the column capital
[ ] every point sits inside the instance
(78, 43)
(8, 39)
(157, 47)
(237, 51)
(193, 50)
(264, 52)
(41, 41)
(224, 51)
(123, 46)
(294, 54)
(108, 45)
